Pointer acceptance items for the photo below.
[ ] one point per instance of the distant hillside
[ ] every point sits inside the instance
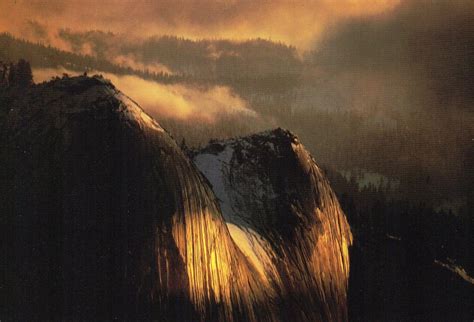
(254, 64)
(216, 58)
(45, 56)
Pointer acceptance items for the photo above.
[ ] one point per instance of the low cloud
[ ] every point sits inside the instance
(132, 62)
(181, 102)
(36, 30)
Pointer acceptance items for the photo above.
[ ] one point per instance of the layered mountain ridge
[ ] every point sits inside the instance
(103, 216)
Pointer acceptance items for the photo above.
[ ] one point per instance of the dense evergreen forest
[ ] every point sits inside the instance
(189, 61)
(216, 59)
(401, 248)
(45, 56)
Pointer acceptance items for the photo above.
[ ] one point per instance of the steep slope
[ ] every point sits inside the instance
(283, 214)
(103, 216)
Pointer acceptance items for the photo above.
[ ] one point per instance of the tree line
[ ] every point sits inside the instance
(258, 65)
(42, 56)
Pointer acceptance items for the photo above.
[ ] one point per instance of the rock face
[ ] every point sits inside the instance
(284, 216)
(104, 217)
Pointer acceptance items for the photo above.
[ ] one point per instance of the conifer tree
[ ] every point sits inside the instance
(24, 76)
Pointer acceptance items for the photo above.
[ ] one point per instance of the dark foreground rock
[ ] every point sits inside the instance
(104, 217)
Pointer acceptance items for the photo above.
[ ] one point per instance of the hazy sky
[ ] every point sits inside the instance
(299, 23)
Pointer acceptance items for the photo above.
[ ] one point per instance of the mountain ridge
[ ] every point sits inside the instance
(119, 241)
(106, 217)
(275, 198)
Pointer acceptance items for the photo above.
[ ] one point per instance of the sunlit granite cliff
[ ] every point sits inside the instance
(104, 217)
(283, 214)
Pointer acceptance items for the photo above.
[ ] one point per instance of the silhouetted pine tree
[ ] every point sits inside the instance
(24, 76)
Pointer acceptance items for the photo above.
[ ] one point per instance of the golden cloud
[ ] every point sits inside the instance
(171, 101)
(299, 23)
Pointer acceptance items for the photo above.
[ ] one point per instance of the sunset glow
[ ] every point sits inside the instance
(298, 23)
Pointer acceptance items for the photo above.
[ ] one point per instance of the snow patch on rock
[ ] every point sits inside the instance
(214, 168)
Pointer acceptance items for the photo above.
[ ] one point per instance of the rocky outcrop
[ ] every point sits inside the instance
(283, 214)
(104, 217)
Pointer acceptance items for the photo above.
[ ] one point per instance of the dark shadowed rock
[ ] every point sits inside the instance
(103, 217)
